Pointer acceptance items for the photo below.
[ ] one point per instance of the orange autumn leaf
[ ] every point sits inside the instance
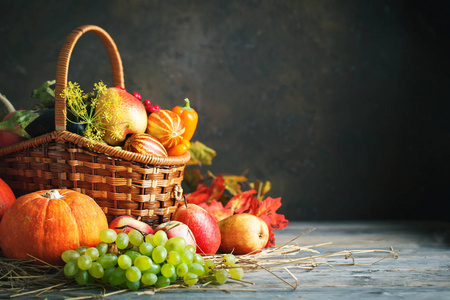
(205, 194)
(216, 209)
(266, 210)
(241, 202)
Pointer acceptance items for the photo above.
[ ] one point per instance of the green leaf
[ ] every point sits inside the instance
(45, 94)
(201, 154)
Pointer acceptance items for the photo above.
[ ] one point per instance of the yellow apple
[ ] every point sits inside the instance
(242, 234)
(127, 116)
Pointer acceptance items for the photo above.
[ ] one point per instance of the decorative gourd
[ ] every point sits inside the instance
(166, 126)
(45, 223)
(144, 143)
(6, 197)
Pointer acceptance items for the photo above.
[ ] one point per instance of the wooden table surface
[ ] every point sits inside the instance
(421, 271)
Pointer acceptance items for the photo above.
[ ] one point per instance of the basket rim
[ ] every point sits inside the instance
(102, 148)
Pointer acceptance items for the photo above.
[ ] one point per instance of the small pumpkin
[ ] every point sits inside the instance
(146, 144)
(46, 223)
(166, 126)
(7, 197)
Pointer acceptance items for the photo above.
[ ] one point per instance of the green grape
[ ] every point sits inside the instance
(146, 248)
(149, 239)
(236, 273)
(108, 235)
(71, 268)
(209, 266)
(143, 262)
(102, 248)
(160, 238)
(133, 274)
(93, 253)
(167, 270)
(155, 268)
(199, 259)
(136, 238)
(162, 282)
(124, 261)
(82, 249)
(174, 277)
(149, 278)
(190, 278)
(173, 258)
(134, 248)
(221, 276)
(108, 260)
(210, 278)
(84, 262)
(187, 256)
(82, 277)
(182, 269)
(107, 273)
(96, 270)
(134, 286)
(197, 269)
(122, 240)
(159, 254)
(190, 248)
(117, 277)
(229, 259)
(177, 243)
(133, 254)
(69, 255)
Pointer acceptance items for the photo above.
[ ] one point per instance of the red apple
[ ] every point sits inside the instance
(242, 234)
(127, 223)
(203, 226)
(128, 116)
(176, 228)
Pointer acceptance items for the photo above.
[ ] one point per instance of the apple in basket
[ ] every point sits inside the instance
(127, 223)
(203, 226)
(121, 114)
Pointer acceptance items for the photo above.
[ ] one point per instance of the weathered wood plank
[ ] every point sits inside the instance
(422, 270)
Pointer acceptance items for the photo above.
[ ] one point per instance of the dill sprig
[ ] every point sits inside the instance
(92, 110)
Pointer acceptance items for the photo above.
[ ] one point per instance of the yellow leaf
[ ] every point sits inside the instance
(261, 188)
(232, 182)
(201, 154)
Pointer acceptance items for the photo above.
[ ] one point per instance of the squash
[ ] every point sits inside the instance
(7, 197)
(166, 126)
(146, 144)
(46, 223)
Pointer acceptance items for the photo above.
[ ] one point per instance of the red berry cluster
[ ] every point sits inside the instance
(147, 103)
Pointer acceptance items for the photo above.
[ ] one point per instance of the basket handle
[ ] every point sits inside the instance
(62, 67)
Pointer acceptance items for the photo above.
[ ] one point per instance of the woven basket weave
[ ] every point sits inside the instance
(121, 182)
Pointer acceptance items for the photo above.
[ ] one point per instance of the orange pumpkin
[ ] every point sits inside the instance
(6, 197)
(166, 126)
(46, 223)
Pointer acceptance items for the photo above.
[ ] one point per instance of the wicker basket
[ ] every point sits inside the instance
(121, 182)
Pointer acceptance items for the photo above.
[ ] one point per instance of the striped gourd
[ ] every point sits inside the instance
(166, 126)
(144, 143)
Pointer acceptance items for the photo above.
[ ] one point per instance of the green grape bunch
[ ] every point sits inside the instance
(133, 260)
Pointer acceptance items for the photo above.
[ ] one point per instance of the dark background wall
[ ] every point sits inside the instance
(342, 105)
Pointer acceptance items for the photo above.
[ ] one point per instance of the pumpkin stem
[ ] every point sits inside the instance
(52, 194)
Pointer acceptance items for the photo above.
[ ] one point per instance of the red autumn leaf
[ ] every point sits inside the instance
(207, 194)
(266, 210)
(241, 202)
(216, 209)
(199, 196)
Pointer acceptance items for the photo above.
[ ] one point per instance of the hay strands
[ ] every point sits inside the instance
(20, 278)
